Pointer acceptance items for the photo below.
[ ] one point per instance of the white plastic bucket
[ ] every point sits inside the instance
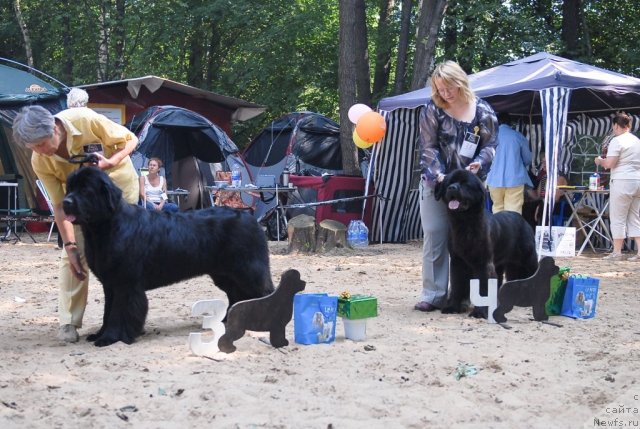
(355, 330)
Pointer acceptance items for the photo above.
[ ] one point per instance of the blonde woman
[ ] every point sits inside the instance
(153, 189)
(457, 130)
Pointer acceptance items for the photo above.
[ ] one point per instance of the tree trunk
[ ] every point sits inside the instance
(103, 46)
(361, 53)
(196, 56)
(119, 38)
(25, 33)
(450, 31)
(347, 84)
(570, 34)
(213, 48)
(429, 21)
(403, 47)
(67, 44)
(383, 49)
(586, 35)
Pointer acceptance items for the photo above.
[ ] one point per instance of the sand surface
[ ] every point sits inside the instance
(534, 375)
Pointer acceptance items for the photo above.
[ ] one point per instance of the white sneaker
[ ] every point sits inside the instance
(613, 257)
(68, 334)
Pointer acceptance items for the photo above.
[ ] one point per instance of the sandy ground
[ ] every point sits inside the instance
(403, 375)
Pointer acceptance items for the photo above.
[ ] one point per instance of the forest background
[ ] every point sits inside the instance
(317, 55)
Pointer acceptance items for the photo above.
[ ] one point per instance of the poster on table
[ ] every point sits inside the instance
(560, 241)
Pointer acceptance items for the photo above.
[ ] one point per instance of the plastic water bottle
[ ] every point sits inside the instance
(236, 177)
(594, 182)
(357, 234)
(363, 234)
(352, 234)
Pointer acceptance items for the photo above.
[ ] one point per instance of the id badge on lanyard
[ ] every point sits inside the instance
(470, 143)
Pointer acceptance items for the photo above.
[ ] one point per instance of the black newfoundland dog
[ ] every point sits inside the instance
(482, 245)
(132, 250)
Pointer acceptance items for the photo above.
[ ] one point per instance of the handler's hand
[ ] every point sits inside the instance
(75, 264)
(103, 163)
(474, 167)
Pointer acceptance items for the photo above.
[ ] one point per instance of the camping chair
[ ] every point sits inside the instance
(45, 194)
(14, 215)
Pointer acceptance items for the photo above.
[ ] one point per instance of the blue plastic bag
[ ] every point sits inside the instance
(581, 297)
(314, 318)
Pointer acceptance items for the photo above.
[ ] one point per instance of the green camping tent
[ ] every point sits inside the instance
(20, 86)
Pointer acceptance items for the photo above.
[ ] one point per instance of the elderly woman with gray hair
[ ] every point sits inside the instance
(54, 139)
(77, 98)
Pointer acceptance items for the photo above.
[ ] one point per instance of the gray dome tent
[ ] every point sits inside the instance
(188, 144)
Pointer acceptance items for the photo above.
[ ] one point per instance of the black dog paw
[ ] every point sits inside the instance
(104, 341)
(226, 346)
(479, 312)
(499, 317)
(451, 309)
(109, 337)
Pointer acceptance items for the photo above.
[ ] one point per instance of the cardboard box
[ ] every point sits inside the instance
(358, 307)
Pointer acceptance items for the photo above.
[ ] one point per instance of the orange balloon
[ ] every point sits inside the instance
(371, 127)
(359, 142)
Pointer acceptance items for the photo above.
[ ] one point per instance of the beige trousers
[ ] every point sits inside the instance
(72, 296)
(510, 199)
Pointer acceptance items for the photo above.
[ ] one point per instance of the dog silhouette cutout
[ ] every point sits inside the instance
(533, 292)
(270, 313)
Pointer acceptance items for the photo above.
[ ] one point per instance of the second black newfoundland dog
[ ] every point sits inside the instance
(482, 245)
(132, 250)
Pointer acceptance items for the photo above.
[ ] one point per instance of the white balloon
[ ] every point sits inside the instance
(356, 111)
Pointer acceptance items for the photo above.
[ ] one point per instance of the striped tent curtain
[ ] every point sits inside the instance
(396, 175)
(535, 134)
(555, 105)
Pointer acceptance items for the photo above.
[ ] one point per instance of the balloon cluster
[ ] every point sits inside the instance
(370, 125)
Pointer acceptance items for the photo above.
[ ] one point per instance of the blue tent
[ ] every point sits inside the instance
(543, 89)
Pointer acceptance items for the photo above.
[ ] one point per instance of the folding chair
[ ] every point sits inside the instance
(43, 190)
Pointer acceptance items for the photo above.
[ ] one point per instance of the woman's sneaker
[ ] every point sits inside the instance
(613, 257)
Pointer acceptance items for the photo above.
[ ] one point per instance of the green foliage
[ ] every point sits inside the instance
(284, 54)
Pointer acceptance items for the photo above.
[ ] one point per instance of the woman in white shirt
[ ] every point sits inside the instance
(623, 158)
(153, 189)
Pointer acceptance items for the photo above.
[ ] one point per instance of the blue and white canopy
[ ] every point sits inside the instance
(542, 88)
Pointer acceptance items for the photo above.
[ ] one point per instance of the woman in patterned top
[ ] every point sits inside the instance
(457, 130)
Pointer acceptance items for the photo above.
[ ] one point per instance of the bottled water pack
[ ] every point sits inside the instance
(357, 234)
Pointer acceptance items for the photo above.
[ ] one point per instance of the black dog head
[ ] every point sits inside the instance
(462, 191)
(91, 196)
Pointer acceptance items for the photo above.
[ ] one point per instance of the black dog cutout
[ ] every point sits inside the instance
(270, 313)
(132, 250)
(530, 292)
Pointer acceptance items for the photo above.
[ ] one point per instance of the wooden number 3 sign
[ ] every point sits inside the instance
(213, 311)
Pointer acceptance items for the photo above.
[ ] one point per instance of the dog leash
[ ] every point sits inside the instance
(82, 159)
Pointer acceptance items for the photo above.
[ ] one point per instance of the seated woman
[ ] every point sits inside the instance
(534, 197)
(153, 189)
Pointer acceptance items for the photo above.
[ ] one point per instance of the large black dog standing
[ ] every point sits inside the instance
(482, 245)
(132, 250)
